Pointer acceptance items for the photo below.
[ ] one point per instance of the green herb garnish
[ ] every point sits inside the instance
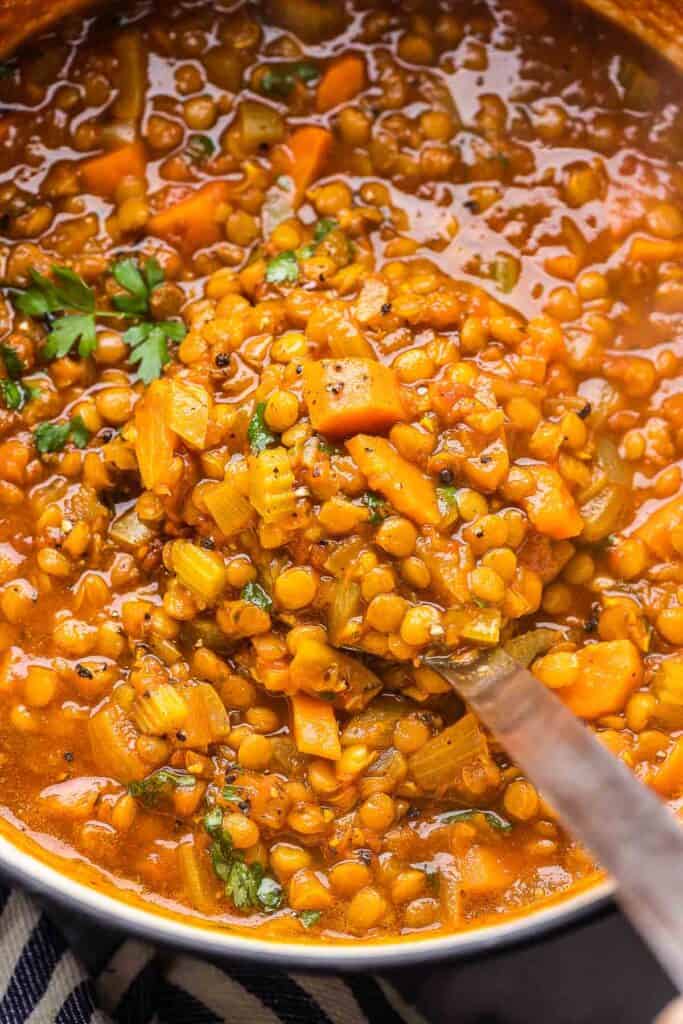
(377, 505)
(151, 788)
(255, 594)
(283, 268)
(15, 394)
(69, 296)
(149, 346)
(200, 148)
(51, 437)
(139, 282)
(323, 229)
(258, 433)
(280, 79)
(447, 498)
(309, 917)
(245, 884)
(496, 821)
(13, 363)
(233, 794)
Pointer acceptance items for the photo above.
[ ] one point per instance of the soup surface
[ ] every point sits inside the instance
(332, 337)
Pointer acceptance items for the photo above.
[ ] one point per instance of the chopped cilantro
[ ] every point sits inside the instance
(138, 282)
(149, 346)
(258, 433)
(151, 788)
(496, 821)
(255, 594)
(309, 917)
(270, 894)
(283, 268)
(51, 437)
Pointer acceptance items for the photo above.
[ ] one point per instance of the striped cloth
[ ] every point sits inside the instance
(127, 981)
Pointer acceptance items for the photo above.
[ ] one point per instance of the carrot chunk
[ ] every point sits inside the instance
(608, 674)
(308, 149)
(345, 396)
(102, 174)
(402, 484)
(657, 530)
(192, 223)
(343, 80)
(154, 441)
(316, 730)
(551, 508)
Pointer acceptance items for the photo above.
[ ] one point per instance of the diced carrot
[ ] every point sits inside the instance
(192, 223)
(307, 151)
(551, 508)
(402, 484)
(342, 80)
(345, 396)
(609, 672)
(155, 441)
(657, 530)
(316, 730)
(188, 411)
(655, 250)
(102, 174)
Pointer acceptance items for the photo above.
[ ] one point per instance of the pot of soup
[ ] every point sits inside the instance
(331, 335)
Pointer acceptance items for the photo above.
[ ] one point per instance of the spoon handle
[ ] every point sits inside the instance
(631, 832)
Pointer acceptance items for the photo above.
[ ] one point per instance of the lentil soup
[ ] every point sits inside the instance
(331, 336)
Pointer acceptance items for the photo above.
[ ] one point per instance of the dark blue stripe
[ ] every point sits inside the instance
(139, 1001)
(176, 1006)
(32, 973)
(372, 1000)
(78, 1008)
(280, 993)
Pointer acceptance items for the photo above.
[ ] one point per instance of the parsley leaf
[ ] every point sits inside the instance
(280, 79)
(255, 594)
(153, 786)
(13, 363)
(377, 505)
(139, 283)
(496, 821)
(68, 330)
(16, 394)
(309, 917)
(67, 294)
(200, 148)
(323, 229)
(245, 884)
(51, 437)
(259, 435)
(283, 268)
(270, 894)
(149, 346)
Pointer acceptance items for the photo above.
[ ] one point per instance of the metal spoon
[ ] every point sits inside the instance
(632, 833)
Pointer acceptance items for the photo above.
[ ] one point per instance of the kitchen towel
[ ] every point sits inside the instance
(127, 981)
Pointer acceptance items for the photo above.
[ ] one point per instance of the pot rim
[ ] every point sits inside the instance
(40, 877)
